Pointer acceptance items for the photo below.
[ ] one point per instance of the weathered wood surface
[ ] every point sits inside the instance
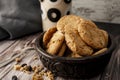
(8, 47)
(98, 10)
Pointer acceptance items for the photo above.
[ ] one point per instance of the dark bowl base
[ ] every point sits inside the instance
(76, 70)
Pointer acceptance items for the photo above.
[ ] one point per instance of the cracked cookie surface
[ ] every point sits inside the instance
(55, 43)
(72, 20)
(75, 43)
(92, 35)
(48, 34)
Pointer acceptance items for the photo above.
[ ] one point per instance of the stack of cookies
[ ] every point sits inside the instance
(75, 36)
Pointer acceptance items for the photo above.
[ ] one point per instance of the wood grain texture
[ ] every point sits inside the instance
(4, 45)
(16, 46)
(98, 10)
(112, 71)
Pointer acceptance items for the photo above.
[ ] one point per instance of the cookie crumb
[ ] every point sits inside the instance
(37, 77)
(35, 57)
(18, 60)
(43, 74)
(39, 73)
(17, 67)
(21, 69)
(34, 68)
(50, 75)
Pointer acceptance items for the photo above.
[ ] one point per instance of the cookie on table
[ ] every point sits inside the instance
(72, 20)
(75, 43)
(91, 35)
(55, 43)
(48, 34)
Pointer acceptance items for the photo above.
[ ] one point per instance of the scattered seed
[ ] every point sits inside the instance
(18, 60)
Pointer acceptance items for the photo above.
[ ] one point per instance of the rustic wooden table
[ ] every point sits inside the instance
(9, 47)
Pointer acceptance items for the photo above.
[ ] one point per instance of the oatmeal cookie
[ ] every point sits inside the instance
(75, 43)
(62, 50)
(91, 35)
(55, 43)
(72, 20)
(75, 55)
(100, 51)
(48, 34)
(105, 36)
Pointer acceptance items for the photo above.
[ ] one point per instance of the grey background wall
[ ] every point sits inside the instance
(98, 10)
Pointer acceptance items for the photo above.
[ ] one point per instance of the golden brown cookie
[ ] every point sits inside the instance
(75, 43)
(91, 35)
(48, 34)
(75, 55)
(106, 36)
(55, 43)
(62, 50)
(100, 51)
(72, 20)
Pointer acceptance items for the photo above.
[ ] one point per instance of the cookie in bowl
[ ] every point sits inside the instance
(73, 56)
(81, 36)
(75, 43)
(92, 35)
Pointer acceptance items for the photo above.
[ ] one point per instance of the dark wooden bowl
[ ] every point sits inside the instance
(67, 67)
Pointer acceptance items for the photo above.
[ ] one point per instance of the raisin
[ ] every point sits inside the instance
(24, 65)
(29, 68)
(14, 77)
